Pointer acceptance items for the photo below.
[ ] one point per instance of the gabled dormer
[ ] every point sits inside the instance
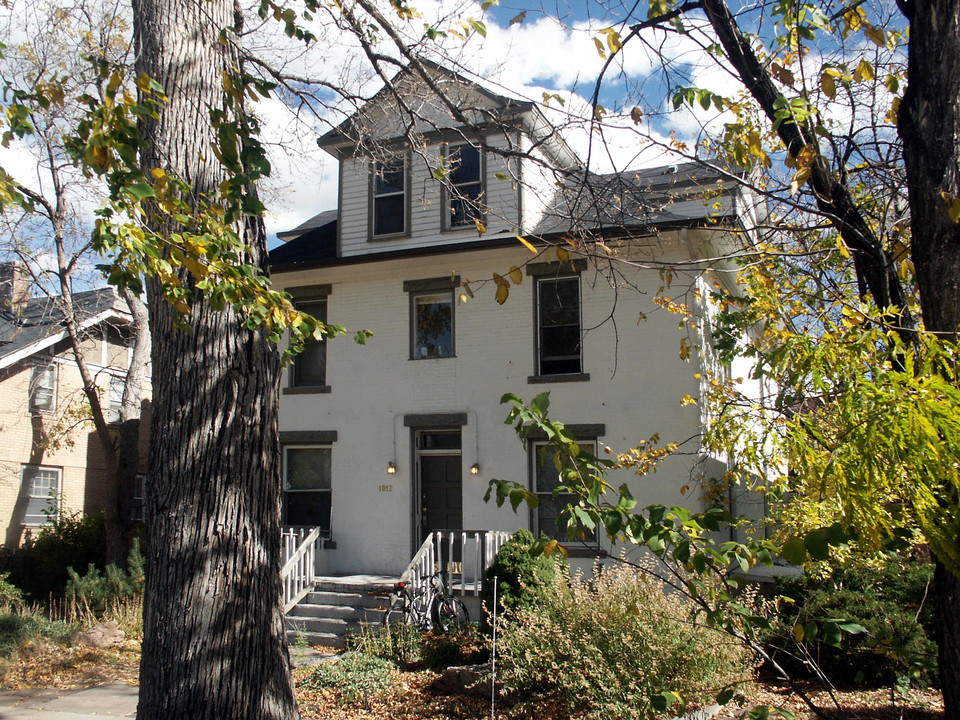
(435, 159)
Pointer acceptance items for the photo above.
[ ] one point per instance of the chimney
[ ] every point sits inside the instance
(14, 287)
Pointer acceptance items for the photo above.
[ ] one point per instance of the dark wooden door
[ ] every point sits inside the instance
(441, 493)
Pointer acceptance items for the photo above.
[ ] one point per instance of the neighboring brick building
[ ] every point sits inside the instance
(50, 456)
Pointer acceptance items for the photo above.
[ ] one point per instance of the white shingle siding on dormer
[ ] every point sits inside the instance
(426, 203)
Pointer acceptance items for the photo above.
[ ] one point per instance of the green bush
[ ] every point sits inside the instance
(890, 602)
(16, 629)
(10, 596)
(607, 647)
(96, 593)
(71, 540)
(356, 676)
(521, 576)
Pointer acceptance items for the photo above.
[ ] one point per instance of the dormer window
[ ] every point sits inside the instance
(389, 197)
(464, 173)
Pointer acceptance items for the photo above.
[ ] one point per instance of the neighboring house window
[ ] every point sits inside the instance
(310, 366)
(307, 487)
(43, 388)
(389, 197)
(139, 483)
(550, 507)
(115, 398)
(465, 176)
(431, 317)
(41, 488)
(558, 326)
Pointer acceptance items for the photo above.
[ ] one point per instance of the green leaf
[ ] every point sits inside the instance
(817, 545)
(141, 191)
(793, 551)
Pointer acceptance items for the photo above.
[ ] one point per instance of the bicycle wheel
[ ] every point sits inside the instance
(449, 613)
(396, 614)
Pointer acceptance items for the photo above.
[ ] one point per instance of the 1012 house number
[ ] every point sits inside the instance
(386, 488)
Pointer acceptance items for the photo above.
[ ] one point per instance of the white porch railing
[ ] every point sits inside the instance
(461, 555)
(298, 555)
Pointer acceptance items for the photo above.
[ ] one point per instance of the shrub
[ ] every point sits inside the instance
(70, 540)
(10, 596)
(356, 676)
(889, 602)
(459, 646)
(400, 644)
(521, 576)
(95, 593)
(608, 647)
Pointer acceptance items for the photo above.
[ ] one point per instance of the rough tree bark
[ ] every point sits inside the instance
(213, 628)
(929, 123)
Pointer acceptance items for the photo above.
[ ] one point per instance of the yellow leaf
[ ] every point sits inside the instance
(828, 85)
(684, 349)
(600, 50)
(481, 228)
(527, 244)
(158, 173)
(562, 254)
(875, 34)
(798, 633)
(466, 288)
(502, 292)
(516, 275)
(842, 247)
(687, 400)
(642, 318)
(864, 71)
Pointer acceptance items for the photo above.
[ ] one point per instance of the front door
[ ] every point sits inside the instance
(441, 481)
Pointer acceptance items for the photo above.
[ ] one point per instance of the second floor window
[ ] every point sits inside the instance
(115, 398)
(389, 197)
(558, 319)
(466, 184)
(433, 325)
(310, 366)
(43, 388)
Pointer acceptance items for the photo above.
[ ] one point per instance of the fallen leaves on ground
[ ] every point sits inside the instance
(46, 664)
(411, 698)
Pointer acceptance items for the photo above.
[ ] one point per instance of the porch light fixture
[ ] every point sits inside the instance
(475, 469)
(391, 468)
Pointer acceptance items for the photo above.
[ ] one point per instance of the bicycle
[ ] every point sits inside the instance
(427, 608)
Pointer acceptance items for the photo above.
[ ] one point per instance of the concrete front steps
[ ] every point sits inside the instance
(337, 606)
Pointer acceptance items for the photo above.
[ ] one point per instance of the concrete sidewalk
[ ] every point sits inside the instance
(103, 701)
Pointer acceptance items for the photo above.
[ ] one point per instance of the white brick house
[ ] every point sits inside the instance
(385, 442)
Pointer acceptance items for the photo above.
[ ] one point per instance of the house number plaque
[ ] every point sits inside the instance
(386, 488)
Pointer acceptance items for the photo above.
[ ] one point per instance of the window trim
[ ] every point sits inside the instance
(286, 447)
(304, 295)
(432, 286)
(32, 520)
(447, 194)
(537, 441)
(374, 167)
(36, 373)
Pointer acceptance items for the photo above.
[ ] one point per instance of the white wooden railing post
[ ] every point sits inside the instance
(299, 549)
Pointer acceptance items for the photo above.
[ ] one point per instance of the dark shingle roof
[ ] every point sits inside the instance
(40, 318)
(311, 247)
(651, 197)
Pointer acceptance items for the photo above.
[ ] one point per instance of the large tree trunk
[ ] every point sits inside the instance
(929, 124)
(213, 628)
